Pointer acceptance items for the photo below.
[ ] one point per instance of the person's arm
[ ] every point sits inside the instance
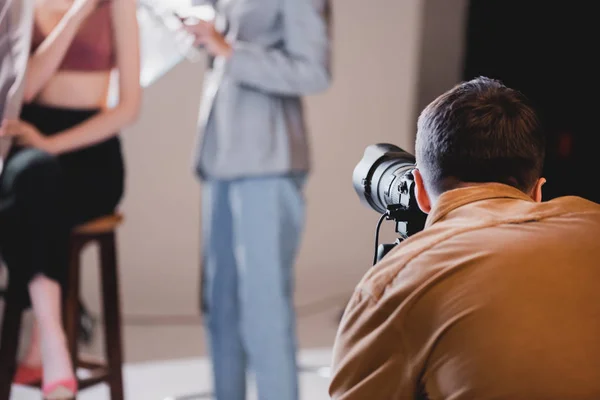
(46, 60)
(369, 359)
(301, 67)
(109, 122)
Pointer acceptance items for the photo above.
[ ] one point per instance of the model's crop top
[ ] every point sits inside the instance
(92, 48)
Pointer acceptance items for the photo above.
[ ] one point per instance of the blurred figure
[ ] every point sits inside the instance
(253, 159)
(65, 167)
(16, 18)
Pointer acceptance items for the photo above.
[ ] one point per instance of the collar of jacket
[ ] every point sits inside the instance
(453, 199)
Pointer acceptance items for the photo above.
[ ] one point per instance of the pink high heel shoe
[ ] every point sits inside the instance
(27, 375)
(60, 390)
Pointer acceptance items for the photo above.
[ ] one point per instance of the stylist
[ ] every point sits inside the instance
(253, 158)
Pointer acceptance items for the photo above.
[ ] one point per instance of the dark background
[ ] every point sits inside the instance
(548, 52)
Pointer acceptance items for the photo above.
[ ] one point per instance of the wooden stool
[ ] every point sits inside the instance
(102, 232)
(14, 304)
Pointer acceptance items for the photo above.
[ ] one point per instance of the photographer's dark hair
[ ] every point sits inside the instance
(480, 131)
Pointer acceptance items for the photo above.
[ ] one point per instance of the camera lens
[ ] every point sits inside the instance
(380, 176)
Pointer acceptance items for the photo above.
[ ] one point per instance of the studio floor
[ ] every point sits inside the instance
(189, 379)
(166, 359)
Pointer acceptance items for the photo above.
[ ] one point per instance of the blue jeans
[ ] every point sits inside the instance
(252, 230)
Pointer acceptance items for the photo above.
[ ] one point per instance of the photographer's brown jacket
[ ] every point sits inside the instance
(499, 297)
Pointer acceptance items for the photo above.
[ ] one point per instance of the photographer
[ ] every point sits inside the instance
(498, 296)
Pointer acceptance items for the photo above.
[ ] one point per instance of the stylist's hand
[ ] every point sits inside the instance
(26, 135)
(206, 35)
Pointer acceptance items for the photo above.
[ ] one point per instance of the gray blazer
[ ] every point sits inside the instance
(251, 120)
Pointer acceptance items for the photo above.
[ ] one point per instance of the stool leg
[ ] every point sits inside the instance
(112, 313)
(11, 332)
(71, 308)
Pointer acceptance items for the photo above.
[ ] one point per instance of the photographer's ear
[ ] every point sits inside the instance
(421, 193)
(536, 194)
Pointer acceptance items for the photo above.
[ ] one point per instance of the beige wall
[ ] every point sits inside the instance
(373, 99)
(442, 48)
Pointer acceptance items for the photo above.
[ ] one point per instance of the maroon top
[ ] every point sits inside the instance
(93, 47)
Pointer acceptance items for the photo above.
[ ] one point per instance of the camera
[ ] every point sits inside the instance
(384, 181)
